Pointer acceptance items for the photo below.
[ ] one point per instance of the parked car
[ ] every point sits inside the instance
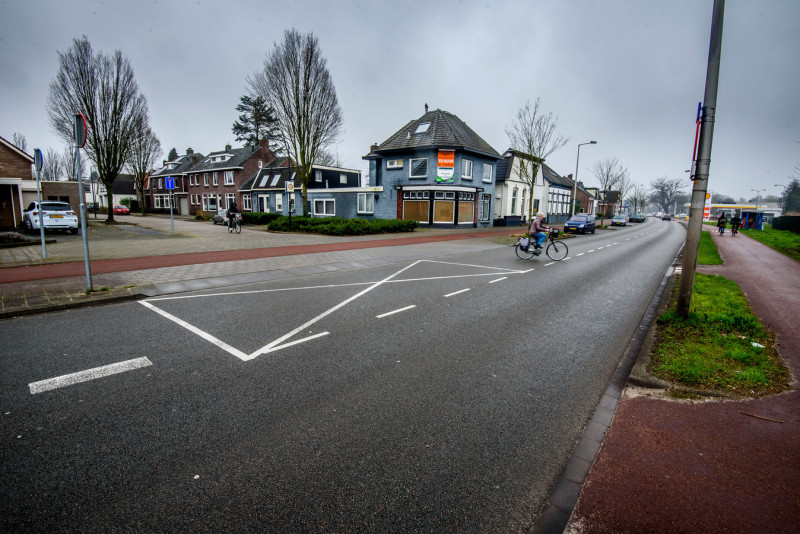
(666, 217)
(221, 217)
(121, 210)
(55, 216)
(619, 220)
(637, 218)
(580, 222)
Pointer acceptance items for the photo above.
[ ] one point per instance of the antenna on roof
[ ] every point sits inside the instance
(426, 107)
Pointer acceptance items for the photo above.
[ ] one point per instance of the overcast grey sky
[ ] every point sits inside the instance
(627, 73)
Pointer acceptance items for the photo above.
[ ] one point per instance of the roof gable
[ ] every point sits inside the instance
(437, 129)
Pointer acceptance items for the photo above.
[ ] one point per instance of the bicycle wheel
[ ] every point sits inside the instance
(524, 254)
(238, 228)
(557, 251)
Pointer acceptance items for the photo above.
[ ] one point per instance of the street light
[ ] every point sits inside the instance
(575, 185)
(782, 198)
(758, 191)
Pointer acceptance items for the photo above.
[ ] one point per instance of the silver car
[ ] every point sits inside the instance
(55, 216)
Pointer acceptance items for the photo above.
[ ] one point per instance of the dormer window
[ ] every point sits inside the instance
(422, 128)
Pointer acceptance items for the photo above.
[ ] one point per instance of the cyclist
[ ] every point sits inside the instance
(537, 230)
(232, 211)
(736, 222)
(721, 223)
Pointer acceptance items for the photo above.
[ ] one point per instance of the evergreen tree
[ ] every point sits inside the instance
(173, 155)
(257, 122)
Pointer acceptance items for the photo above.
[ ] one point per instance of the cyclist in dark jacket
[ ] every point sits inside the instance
(232, 211)
(721, 223)
(736, 223)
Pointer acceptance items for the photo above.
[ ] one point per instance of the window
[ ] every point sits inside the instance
(228, 177)
(366, 203)
(423, 128)
(419, 168)
(325, 207)
(416, 210)
(443, 211)
(246, 201)
(318, 176)
(205, 179)
(230, 198)
(279, 202)
(275, 179)
(466, 169)
(483, 209)
(487, 172)
(394, 163)
(216, 180)
(513, 201)
(342, 178)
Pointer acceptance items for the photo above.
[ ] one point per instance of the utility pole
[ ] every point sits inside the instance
(700, 188)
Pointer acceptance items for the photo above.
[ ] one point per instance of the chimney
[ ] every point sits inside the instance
(264, 143)
(227, 148)
(189, 151)
(426, 107)
(164, 163)
(373, 148)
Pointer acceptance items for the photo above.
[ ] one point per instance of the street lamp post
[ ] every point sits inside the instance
(575, 185)
(782, 199)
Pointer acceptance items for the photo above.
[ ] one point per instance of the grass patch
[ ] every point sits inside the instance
(708, 254)
(720, 347)
(784, 241)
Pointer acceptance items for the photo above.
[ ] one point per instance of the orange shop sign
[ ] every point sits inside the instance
(447, 158)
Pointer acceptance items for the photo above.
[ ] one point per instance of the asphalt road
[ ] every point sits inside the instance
(425, 396)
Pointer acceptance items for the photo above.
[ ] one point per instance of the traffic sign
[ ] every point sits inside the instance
(79, 130)
(290, 187)
(38, 161)
(169, 182)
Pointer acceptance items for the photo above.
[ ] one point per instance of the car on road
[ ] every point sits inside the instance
(121, 210)
(637, 218)
(666, 217)
(619, 220)
(580, 222)
(221, 217)
(56, 215)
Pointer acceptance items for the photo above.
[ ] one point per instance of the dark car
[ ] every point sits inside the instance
(581, 223)
(666, 217)
(637, 218)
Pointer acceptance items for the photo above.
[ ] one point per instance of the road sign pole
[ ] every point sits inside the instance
(37, 163)
(79, 129)
(169, 183)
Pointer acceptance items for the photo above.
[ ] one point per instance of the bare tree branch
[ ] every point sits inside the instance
(608, 172)
(52, 166)
(296, 84)
(664, 191)
(104, 90)
(533, 133)
(144, 155)
(20, 142)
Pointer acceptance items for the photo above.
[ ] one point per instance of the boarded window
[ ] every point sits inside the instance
(416, 210)
(465, 212)
(444, 211)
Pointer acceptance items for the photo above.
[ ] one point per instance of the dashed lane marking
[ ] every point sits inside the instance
(85, 376)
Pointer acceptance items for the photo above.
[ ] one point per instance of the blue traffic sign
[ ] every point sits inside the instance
(169, 182)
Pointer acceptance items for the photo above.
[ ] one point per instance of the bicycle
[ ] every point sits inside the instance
(734, 230)
(235, 223)
(555, 250)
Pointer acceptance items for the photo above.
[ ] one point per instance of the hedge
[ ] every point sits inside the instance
(787, 222)
(258, 217)
(339, 226)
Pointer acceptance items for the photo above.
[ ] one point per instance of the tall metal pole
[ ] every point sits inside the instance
(700, 188)
(575, 185)
(38, 161)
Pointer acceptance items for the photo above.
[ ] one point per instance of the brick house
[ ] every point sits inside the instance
(157, 194)
(18, 186)
(435, 170)
(214, 182)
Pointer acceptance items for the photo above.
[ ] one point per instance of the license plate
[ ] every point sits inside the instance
(56, 216)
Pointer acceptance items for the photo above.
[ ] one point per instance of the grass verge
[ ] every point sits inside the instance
(784, 241)
(721, 347)
(708, 254)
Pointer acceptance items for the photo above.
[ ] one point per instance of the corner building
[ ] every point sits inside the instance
(435, 170)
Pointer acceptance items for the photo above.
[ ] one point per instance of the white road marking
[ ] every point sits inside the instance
(581, 254)
(498, 280)
(387, 314)
(191, 328)
(89, 374)
(456, 292)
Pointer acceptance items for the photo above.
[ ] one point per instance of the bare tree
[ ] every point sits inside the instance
(20, 142)
(145, 153)
(329, 159)
(70, 163)
(608, 172)
(52, 166)
(624, 186)
(104, 90)
(664, 191)
(533, 133)
(638, 197)
(296, 84)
